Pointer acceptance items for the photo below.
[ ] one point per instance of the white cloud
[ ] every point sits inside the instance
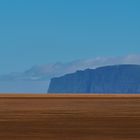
(46, 72)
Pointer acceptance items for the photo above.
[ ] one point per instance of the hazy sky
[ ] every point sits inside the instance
(45, 31)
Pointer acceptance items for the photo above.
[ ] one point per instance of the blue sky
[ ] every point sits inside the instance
(36, 32)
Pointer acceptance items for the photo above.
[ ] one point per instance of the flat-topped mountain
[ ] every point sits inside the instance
(108, 79)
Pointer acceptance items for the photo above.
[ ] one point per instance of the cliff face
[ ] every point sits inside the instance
(109, 79)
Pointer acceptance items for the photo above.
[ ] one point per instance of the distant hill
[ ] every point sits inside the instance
(108, 79)
(37, 78)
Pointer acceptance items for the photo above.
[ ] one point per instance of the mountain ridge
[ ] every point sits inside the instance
(107, 79)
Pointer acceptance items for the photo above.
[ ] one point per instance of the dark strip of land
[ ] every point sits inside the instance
(69, 117)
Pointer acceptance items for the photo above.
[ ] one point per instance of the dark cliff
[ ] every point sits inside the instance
(109, 79)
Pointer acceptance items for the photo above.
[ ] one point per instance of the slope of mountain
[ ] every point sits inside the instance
(109, 79)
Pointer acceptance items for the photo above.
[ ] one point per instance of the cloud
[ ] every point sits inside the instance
(46, 72)
(43, 73)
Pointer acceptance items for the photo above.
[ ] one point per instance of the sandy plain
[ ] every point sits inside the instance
(69, 117)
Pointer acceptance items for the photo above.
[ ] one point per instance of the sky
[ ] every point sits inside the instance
(34, 32)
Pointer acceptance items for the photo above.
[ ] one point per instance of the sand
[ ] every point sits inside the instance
(69, 117)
